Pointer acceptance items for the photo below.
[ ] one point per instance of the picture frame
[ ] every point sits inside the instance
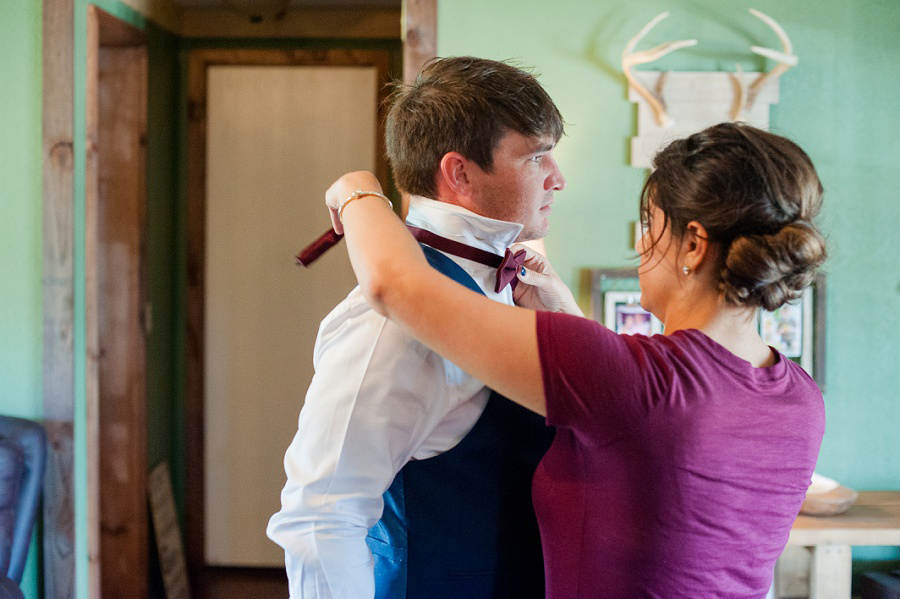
(616, 302)
(622, 312)
(796, 330)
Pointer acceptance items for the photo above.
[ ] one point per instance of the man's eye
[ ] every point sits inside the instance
(537, 158)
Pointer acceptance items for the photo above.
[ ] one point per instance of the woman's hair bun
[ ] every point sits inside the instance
(770, 270)
(757, 195)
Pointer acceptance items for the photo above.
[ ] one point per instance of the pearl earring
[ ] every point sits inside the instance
(686, 269)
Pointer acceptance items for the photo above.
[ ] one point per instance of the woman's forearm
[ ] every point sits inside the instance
(381, 251)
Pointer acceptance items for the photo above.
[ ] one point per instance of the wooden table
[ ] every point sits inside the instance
(874, 520)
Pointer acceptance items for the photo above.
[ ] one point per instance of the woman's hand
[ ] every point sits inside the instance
(343, 188)
(540, 288)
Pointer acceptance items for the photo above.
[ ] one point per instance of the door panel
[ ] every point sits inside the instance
(277, 137)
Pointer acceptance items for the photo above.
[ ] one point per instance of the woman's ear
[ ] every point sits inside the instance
(696, 246)
(455, 173)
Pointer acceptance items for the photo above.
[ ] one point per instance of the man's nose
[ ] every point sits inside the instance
(555, 181)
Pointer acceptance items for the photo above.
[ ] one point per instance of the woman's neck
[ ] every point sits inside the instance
(732, 327)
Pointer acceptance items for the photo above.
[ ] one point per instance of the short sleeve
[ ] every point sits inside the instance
(593, 378)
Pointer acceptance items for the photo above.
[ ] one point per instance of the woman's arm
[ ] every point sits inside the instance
(493, 342)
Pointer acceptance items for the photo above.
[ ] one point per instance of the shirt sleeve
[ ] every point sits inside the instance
(376, 394)
(594, 379)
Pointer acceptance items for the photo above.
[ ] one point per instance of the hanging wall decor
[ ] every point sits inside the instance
(676, 104)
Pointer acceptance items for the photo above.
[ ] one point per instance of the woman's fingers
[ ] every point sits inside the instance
(544, 291)
(532, 277)
(336, 223)
(533, 260)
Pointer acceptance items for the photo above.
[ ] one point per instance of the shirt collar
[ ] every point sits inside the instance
(456, 223)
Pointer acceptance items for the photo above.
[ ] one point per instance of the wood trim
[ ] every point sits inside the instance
(114, 32)
(819, 312)
(115, 205)
(419, 46)
(306, 22)
(91, 299)
(58, 297)
(121, 286)
(165, 13)
(419, 36)
(198, 62)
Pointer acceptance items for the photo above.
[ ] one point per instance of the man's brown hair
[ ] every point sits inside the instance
(462, 104)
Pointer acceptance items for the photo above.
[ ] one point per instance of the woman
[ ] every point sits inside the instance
(680, 460)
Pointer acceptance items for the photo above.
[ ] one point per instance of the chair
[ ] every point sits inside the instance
(23, 451)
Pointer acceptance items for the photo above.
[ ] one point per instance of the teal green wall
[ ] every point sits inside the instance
(20, 209)
(21, 328)
(839, 103)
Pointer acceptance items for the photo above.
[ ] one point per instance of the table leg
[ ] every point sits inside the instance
(830, 569)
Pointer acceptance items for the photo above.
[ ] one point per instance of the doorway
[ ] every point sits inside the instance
(268, 131)
(115, 292)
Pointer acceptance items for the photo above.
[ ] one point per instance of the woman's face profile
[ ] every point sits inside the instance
(658, 271)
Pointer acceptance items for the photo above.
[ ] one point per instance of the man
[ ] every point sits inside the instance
(390, 430)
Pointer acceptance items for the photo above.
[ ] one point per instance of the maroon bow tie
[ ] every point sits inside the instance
(507, 265)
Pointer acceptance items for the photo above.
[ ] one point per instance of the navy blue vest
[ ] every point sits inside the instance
(461, 524)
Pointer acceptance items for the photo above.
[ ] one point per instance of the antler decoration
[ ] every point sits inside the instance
(631, 58)
(786, 59)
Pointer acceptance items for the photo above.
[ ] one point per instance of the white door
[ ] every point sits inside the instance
(277, 137)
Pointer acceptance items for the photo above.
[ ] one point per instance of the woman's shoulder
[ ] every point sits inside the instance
(574, 342)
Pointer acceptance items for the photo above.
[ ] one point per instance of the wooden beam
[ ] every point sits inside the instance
(419, 46)
(121, 233)
(308, 22)
(419, 36)
(58, 297)
(163, 12)
(92, 300)
(115, 198)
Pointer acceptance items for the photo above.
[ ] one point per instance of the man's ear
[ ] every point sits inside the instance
(455, 172)
(696, 246)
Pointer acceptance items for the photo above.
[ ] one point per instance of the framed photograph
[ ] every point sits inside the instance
(616, 302)
(622, 313)
(796, 330)
(783, 329)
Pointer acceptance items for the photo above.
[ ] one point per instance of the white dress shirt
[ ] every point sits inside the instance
(378, 399)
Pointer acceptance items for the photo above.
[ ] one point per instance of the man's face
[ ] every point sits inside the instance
(520, 186)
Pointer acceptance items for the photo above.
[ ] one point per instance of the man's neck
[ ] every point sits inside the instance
(458, 223)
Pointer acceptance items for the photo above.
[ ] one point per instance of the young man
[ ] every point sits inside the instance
(407, 478)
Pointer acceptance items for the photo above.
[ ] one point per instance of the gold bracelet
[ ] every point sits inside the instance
(359, 193)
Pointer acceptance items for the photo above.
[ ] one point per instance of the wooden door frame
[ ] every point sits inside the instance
(199, 61)
(109, 494)
(419, 36)
(58, 295)
(58, 281)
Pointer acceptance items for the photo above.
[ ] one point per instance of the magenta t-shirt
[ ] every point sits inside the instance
(677, 468)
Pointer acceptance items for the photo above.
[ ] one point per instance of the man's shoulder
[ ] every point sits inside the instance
(353, 320)
(354, 303)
